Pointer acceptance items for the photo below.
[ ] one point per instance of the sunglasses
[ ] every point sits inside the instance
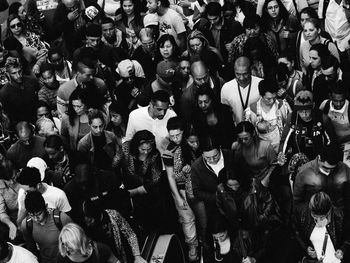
(16, 25)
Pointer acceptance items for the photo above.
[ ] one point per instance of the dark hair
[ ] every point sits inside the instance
(4, 249)
(164, 3)
(160, 95)
(321, 49)
(175, 123)
(309, 11)
(267, 85)
(287, 54)
(95, 114)
(139, 138)
(29, 176)
(167, 37)
(252, 21)
(330, 154)
(137, 12)
(245, 126)
(47, 67)
(338, 88)
(329, 61)
(282, 72)
(9, 19)
(87, 58)
(255, 43)
(53, 141)
(34, 202)
(283, 13)
(14, 7)
(117, 107)
(213, 9)
(218, 224)
(320, 204)
(54, 50)
(93, 209)
(315, 22)
(77, 94)
(107, 20)
(209, 143)
(205, 90)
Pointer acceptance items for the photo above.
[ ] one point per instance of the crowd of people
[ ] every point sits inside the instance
(226, 123)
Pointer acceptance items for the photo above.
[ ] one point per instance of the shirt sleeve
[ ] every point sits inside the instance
(63, 203)
(178, 24)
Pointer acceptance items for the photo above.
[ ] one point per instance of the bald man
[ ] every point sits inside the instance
(201, 78)
(242, 91)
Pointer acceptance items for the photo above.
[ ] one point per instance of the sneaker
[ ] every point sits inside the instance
(192, 252)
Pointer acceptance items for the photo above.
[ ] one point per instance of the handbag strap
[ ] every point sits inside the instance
(324, 247)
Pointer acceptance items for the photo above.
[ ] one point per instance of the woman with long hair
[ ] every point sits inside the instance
(279, 24)
(75, 246)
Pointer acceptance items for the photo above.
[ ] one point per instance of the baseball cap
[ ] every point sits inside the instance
(303, 100)
(40, 164)
(166, 70)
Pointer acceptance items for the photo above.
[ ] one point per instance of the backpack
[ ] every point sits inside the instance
(56, 214)
(327, 106)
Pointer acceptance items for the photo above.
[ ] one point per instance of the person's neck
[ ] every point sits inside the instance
(162, 10)
(17, 85)
(315, 41)
(265, 107)
(131, 17)
(9, 256)
(42, 188)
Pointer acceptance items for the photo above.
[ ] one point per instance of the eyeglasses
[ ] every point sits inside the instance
(16, 25)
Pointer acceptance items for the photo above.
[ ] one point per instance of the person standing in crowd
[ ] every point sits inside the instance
(48, 86)
(63, 67)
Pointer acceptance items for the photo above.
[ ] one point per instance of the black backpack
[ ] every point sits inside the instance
(56, 214)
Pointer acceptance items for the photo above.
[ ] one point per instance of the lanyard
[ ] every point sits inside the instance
(244, 105)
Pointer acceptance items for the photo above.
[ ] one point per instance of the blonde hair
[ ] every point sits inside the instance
(73, 237)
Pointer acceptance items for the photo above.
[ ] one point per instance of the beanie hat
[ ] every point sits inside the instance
(93, 30)
(303, 100)
(166, 70)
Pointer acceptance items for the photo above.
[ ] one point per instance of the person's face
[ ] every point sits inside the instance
(212, 157)
(128, 7)
(243, 75)
(176, 136)
(221, 237)
(315, 59)
(233, 184)
(330, 74)
(185, 69)
(193, 142)
(252, 32)
(338, 100)
(25, 137)
(145, 148)
(167, 49)
(196, 45)
(97, 127)
(159, 109)
(310, 31)
(214, 20)
(152, 6)
(245, 138)
(324, 167)
(320, 220)
(288, 63)
(273, 9)
(56, 60)
(148, 43)
(201, 78)
(16, 27)
(108, 30)
(42, 112)
(93, 42)
(71, 5)
(116, 118)
(78, 107)
(16, 75)
(22, 12)
(53, 154)
(305, 115)
(303, 18)
(269, 98)
(86, 74)
(204, 102)
(38, 217)
(48, 78)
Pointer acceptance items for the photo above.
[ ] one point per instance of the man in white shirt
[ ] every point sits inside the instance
(15, 254)
(242, 91)
(153, 118)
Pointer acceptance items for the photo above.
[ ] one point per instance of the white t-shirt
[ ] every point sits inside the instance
(317, 239)
(21, 255)
(171, 23)
(230, 96)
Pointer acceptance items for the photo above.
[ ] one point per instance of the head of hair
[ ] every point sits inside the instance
(93, 209)
(167, 37)
(338, 88)
(53, 51)
(53, 141)
(14, 7)
(190, 131)
(245, 126)
(309, 11)
(6, 168)
(107, 20)
(329, 61)
(9, 20)
(160, 95)
(72, 236)
(4, 249)
(164, 3)
(282, 72)
(119, 108)
(287, 55)
(95, 114)
(12, 62)
(137, 11)
(139, 138)
(41, 104)
(283, 13)
(93, 30)
(209, 143)
(268, 85)
(29, 176)
(252, 21)
(254, 43)
(330, 154)
(34, 202)
(86, 59)
(320, 204)
(213, 9)
(12, 43)
(316, 23)
(218, 224)
(46, 67)
(175, 123)
(77, 94)
(321, 50)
